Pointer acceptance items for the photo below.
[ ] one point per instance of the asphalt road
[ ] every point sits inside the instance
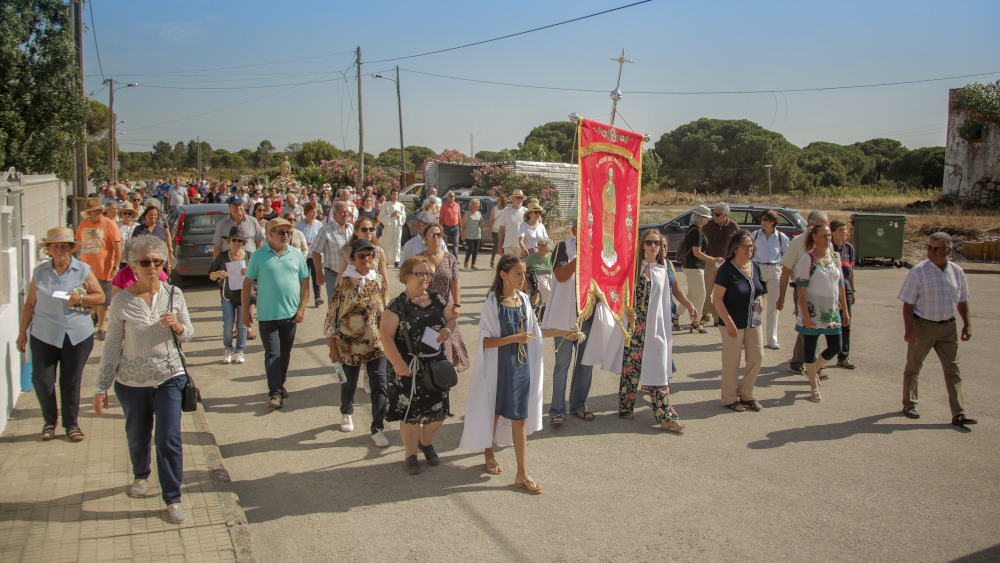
(849, 479)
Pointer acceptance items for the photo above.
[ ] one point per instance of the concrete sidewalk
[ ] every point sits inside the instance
(65, 501)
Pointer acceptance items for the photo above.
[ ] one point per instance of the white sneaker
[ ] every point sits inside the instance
(227, 357)
(238, 358)
(380, 439)
(346, 424)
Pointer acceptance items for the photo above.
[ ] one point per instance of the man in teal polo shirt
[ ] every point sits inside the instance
(282, 278)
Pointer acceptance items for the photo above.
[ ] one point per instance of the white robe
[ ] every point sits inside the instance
(657, 350)
(480, 406)
(392, 234)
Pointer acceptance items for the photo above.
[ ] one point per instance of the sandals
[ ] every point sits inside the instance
(676, 325)
(251, 335)
(962, 420)
(814, 395)
(752, 404)
(736, 406)
(74, 433)
(529, 485)
(698, 328)
(584, 415)
(679, 429)
(493, 466)
(557, 420)
(48, 432)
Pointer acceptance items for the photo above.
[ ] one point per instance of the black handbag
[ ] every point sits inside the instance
(190, 395)
(438, 376)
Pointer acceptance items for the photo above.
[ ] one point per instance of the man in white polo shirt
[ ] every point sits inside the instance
(510, 224)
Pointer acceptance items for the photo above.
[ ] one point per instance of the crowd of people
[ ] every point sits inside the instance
(271, 252)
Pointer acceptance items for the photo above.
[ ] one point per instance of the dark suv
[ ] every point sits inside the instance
(747, 216)
(192, 228)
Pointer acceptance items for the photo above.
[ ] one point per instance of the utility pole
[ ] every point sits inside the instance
(80, 164)
(472, 146)
(112, 177)
(198, 144)
(361, 131)
(402, 151)
(769, 200)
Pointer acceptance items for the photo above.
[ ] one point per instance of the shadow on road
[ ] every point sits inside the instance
(841, 430)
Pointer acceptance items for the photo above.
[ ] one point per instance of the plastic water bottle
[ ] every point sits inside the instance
(339, 370)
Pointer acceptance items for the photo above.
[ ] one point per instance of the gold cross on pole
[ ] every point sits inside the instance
(616, 94)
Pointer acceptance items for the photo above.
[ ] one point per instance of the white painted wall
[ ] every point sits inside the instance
(10, 317)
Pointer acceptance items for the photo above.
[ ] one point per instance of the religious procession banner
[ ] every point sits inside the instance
(608, 215)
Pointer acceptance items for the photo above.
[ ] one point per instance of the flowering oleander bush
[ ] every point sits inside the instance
(496, 180)
(341, 173)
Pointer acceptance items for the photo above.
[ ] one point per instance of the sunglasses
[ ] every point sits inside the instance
(365, 256)
(651, 242)
(718, 214)
(147, 263)
(747, 246)
(436, 235)
(127, 213)
(423, 274)
(366, 229)
(283, 233)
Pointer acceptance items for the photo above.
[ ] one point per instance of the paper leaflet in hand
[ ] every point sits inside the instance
(234, 271)
(430, 338)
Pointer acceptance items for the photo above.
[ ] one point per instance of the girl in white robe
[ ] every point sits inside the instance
(505, 395)
(648, 358)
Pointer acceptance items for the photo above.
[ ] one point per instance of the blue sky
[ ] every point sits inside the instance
(175, 50)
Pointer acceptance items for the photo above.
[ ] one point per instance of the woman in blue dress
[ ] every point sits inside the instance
(505, 395)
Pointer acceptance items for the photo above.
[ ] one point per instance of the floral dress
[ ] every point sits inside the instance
(454, 347)
(632, 362)
(427, 406)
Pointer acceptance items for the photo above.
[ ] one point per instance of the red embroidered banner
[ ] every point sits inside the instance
(610, 170)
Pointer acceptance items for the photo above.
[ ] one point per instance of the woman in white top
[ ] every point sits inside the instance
(309, 226)
(822, 300)
(648, 358)
(531, 229)
(770, 245)
(126, 225)
(495, 227)
(143, 361)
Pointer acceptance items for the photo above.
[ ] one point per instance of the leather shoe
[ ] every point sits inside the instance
(962, 420)
(912, 413)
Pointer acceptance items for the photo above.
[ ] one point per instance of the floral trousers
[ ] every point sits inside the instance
(659, 395)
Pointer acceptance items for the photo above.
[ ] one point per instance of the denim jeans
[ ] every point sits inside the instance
(451, 238)
(330, 280)
(277, 338)
(71, 361)
(146, 407)
(472, 249)
(232, 315)
(582, 375)
(377, 379)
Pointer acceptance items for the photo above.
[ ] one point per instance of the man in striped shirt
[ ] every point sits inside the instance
(933, 290)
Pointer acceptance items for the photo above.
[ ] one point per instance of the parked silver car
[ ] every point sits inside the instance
(193, 228)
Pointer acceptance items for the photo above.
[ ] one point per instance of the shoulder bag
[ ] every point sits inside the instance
(438, 376)
(190, 395)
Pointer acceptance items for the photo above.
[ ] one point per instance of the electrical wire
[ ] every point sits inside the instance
(708, 92)
(510, 35)
(184, 72)
(90, 6)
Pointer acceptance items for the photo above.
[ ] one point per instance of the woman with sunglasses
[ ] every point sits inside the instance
(364, 228)
(420, 412)
(648, 358)
(143, 362)
(737, 297)
(352, 331)
(126, 226)
(445, 282)
(822, 300)
(258, 213)
(232, 304)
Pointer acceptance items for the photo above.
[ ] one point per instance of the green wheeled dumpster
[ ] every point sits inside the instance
(879, 237)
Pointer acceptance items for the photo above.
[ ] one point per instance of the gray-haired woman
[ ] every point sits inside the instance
(144, 363)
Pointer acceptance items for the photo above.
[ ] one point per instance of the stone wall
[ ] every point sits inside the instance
(972, 168)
